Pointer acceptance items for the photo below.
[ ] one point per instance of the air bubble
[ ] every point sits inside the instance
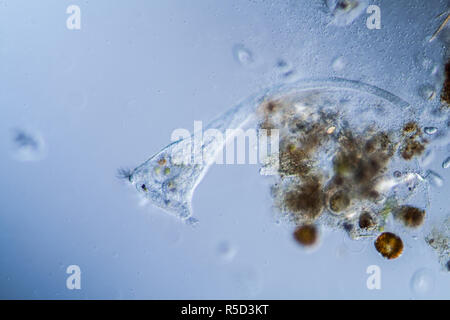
(226, 251)
(422, 282)
(434, 179)
(339, 64)
(446, 163)
(243, 55)
(427, 158)
(249, 281)
(427, 92)
(430, 130)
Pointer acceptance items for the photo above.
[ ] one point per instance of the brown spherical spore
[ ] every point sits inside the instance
(389, 245)
(366, 220)
(410, 216)
(307, 235)
(339, 201)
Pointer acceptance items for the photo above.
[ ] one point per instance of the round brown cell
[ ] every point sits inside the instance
(366, 220)
(339, 201)
(306, 235)
(410, 216)
(389, 245)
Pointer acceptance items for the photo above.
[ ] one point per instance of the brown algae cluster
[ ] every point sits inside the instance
(346, 193)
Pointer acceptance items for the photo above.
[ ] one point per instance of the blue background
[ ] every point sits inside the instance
(110, 95)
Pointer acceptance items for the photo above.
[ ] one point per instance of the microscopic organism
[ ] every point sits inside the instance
(346, 160)
(445, 94)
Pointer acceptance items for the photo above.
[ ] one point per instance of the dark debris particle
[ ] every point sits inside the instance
(445, 94)
(343, 5)
(346, 5)
(23, 139)
(389, 245)
(410, 127)
(410, 216)
(306, 235)
(347, 226)
(268, 108)
(397, 174)
(271, 107)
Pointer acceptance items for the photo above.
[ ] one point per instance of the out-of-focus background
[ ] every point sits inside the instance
(110, 94)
